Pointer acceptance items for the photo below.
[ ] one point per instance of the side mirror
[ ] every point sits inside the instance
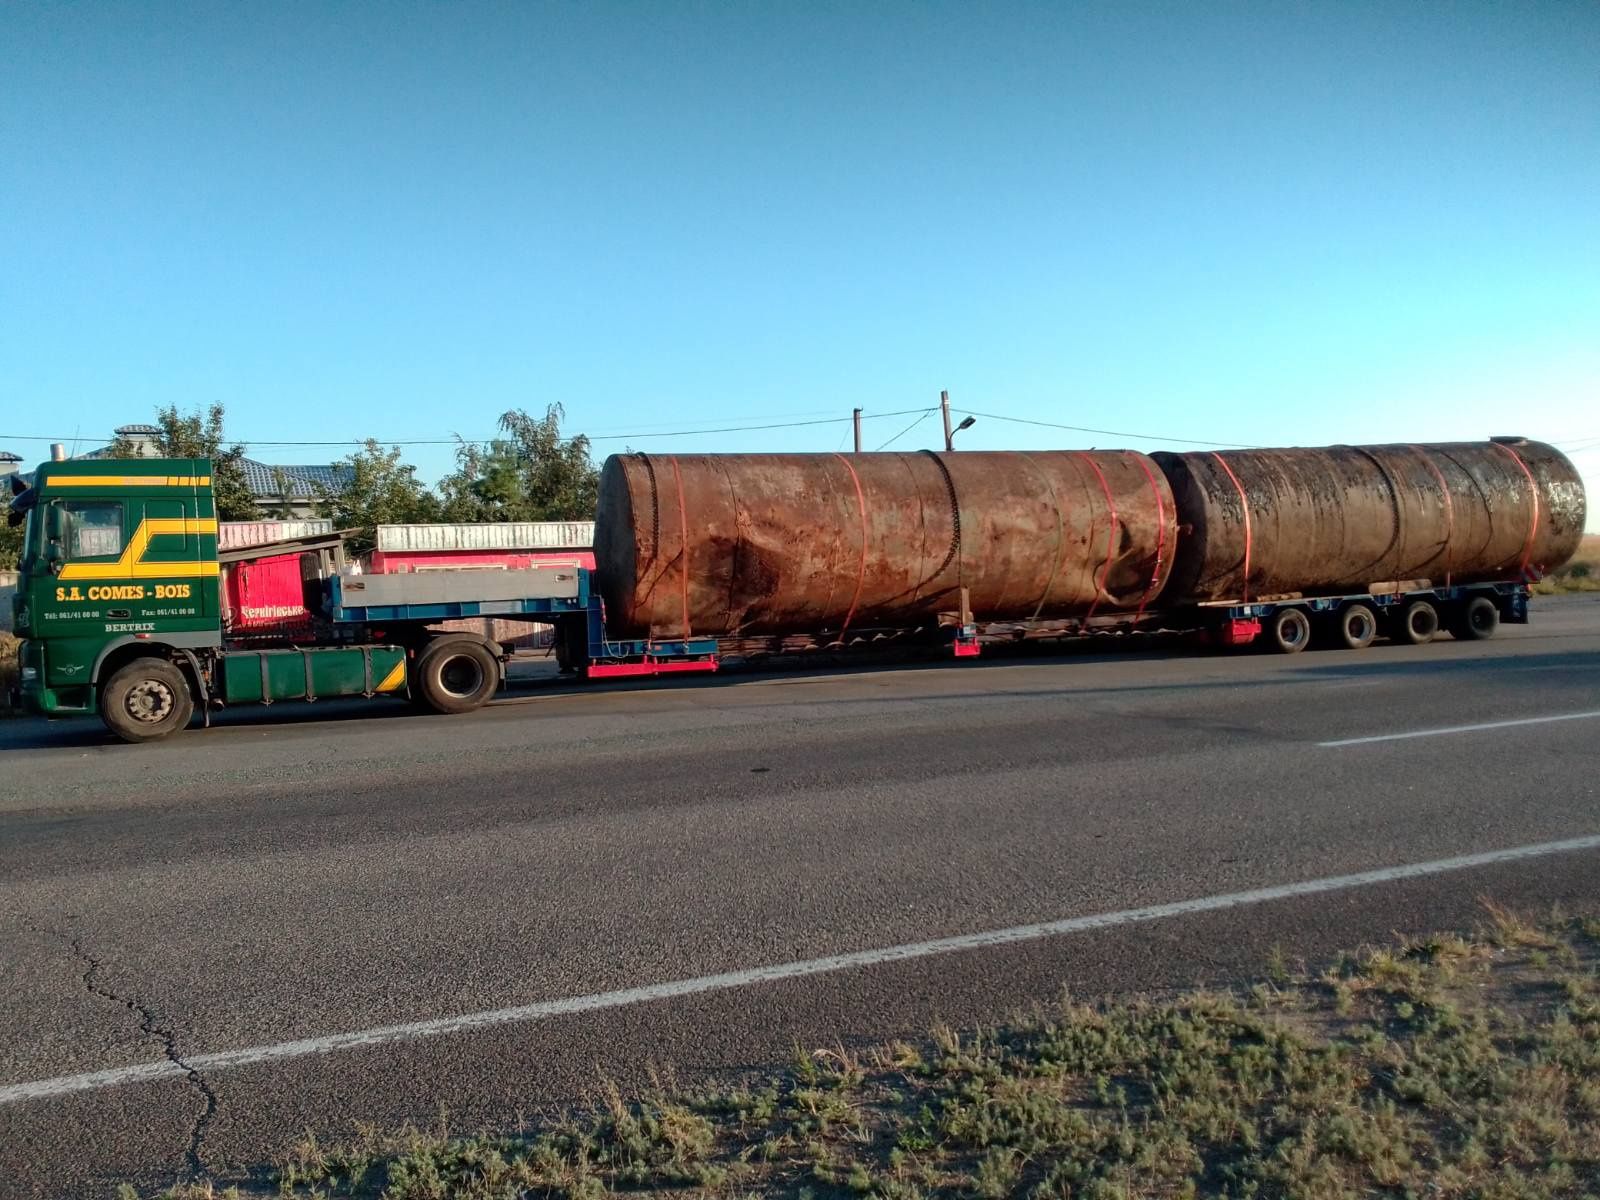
(54, 530)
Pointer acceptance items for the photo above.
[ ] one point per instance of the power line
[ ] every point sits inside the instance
(610, 437)
(925, 415)
(1144, 437)
(1574, 445)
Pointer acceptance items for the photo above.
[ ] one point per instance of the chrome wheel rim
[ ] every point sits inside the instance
(150, 701)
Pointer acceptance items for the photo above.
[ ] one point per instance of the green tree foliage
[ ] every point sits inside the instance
(378, 489)
(191, 435)
(282, 507)
(10, 537)
(530, 473)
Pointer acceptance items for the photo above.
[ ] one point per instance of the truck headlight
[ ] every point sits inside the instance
(29, 674)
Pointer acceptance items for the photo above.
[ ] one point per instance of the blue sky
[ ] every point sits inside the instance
(1270, 224)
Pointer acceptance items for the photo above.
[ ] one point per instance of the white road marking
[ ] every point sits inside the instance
(1420, 733)
(223, 1060)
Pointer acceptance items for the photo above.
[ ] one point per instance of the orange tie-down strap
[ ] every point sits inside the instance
(683, 547)
(1161, 532)
(1111, 541)
(1245, 501)
(1533, 494)
(1449, 513)
(861, 570)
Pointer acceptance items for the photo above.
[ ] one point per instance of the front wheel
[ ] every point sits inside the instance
(455, 675)
(146, 700)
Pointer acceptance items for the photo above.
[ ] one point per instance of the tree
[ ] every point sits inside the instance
(189, 435)
(378, 489)
(531, 473)
(283, 507)
(10, 537)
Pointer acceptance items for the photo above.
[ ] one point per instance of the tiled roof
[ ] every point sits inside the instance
(305, 481)
(7, 456)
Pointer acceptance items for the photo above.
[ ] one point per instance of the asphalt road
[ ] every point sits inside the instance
(307, 873)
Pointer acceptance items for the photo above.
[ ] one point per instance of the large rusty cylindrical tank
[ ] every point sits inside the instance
(1339, 519)
(781, 543)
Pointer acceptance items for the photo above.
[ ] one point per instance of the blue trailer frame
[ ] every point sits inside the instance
(603, 656)
(1239, 623)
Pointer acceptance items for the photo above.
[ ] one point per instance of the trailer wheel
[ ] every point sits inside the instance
(1358, 627)
(1289, 631)
(1478, 621)
(146, 700)
(1417, 624)
(455, 675)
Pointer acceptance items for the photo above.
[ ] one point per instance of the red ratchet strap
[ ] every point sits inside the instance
(1061, 536)
(1111, 540)
(1533, 492)
(1161, 531)
(861, 572)
(683, 546)
(1449, 513)
(1244, 500)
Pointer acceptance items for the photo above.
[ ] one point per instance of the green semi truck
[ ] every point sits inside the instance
(121, 612)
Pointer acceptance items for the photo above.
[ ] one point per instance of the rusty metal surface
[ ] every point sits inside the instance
(781, 543)
(1341, 518)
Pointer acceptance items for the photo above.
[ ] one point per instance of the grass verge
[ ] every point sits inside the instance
(8, 671)
(1444, 1067)
(1582, 574)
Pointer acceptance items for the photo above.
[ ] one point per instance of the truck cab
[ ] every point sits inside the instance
(119, 562)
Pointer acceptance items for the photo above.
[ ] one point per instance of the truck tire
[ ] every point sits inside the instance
(455, 675)
(1357, 626)
(1289, 631)
(1417, 624)
(146, 700)
(1477, 620)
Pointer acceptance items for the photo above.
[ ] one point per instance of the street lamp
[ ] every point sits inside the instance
(950, 437)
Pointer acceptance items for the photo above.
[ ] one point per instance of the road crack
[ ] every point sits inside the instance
(150, 1025)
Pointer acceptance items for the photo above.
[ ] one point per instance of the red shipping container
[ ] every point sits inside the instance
(265, 596)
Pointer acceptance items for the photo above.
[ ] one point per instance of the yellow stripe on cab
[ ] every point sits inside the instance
(131, 564)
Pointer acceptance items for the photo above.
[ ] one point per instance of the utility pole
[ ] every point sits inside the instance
(944, 411)
(856, 416)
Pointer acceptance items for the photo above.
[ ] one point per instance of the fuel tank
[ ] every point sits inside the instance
(781, 543)
(1341, 518)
